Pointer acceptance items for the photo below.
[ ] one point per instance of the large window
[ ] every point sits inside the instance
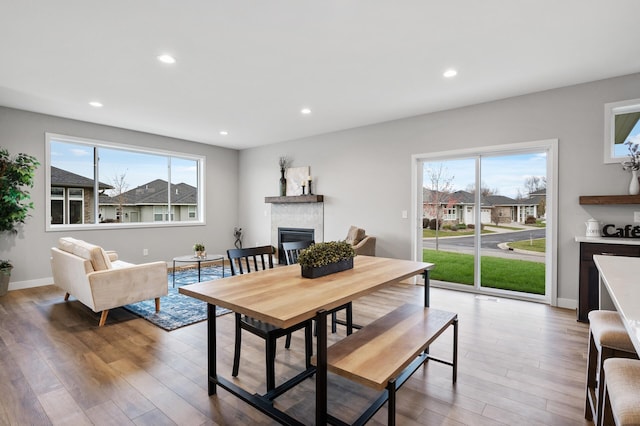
(100, 184)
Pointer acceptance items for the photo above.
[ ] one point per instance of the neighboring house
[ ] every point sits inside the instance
(148, 203)
(72, 197)
(460, 207)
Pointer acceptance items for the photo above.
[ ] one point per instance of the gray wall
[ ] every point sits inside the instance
(22, 131)
(365, 173)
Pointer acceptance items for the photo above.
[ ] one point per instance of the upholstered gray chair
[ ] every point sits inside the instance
(362, 243)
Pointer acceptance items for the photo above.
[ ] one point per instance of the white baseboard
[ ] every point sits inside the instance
(567, 303)
(19, 285)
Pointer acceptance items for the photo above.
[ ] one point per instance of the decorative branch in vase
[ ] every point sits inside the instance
(633, 165)
(284, 163)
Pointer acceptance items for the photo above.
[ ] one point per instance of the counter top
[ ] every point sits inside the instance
(609, 240)
(619, 275)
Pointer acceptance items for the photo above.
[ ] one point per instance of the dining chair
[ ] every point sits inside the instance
(292, 251)
(252, 259)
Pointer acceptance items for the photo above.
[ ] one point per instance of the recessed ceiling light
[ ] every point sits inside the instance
(224, 132)
(167, 59)
(450, 73)
(95, 104)
(305, 111)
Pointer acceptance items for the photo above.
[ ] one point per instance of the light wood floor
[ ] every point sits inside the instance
(519, 364)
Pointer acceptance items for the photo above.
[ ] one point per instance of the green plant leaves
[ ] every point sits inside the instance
(321, 254)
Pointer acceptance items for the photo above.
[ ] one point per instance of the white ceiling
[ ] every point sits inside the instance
(248, 67)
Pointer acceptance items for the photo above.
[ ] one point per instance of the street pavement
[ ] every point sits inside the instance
(492, 244)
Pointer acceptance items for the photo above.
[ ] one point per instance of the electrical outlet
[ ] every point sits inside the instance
(636, 217)
(404, 214)
(145, 252)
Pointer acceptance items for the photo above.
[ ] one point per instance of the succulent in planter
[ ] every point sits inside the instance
(198, 248)
(326, 258)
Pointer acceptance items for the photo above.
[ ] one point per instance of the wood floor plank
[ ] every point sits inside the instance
(108, 414)
(62, 409)
(169, 402)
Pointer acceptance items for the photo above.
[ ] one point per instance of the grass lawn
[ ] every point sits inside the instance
(531, 245)
(507, 274)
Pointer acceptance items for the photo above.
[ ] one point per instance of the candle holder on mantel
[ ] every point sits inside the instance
(303, 193)
(310, 193)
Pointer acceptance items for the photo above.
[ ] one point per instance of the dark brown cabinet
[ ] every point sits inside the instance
(588, 297)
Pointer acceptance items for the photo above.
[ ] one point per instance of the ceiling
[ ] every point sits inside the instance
(249, 67)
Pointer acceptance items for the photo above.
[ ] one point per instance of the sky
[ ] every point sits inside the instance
(506, 173)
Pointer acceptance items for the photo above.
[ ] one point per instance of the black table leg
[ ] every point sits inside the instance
(427, 288)
(321, 367)
(211, 348)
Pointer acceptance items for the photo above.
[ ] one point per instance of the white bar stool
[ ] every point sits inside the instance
(621, 400)
(607, 339)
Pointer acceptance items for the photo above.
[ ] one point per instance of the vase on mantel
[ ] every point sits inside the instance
(634, 185)
(283, 183)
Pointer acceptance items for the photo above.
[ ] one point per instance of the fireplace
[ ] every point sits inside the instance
(288, 235)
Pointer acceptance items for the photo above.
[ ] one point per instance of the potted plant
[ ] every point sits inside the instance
(198, 248)
(16, 174)
(326, 258)
(633, 165)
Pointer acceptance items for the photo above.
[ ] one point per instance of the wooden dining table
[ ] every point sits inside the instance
(282, 297)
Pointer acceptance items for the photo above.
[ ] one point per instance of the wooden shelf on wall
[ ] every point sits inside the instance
(609, 199)
(295, 199)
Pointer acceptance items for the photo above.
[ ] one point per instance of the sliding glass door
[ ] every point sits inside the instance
(485, 220)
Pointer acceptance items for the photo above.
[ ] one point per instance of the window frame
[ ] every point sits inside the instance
(94, 143)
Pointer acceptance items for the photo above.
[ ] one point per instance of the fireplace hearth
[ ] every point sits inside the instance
(289, 235)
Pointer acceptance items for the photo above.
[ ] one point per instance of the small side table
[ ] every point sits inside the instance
(198, 260)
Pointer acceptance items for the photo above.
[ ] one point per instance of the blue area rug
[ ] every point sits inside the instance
(178, 310)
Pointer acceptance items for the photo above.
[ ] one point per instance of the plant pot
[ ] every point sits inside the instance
(321, 271)
(5, 276)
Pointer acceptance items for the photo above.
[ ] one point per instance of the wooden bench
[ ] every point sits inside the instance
(385, 353)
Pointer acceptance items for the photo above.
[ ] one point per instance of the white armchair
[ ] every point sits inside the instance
(102, 282)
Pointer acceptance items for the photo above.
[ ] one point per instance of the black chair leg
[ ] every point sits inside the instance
(236, 354)
(349, 314)
(334, 324)
(287, 343)
(270, 359)
(308, 345)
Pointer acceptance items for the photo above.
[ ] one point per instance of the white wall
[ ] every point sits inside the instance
(22, 131)
(364, 173)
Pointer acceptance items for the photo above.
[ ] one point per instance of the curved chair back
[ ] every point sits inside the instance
(242, 259)
(292, 250)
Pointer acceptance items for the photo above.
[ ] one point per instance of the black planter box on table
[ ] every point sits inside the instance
(320, 271)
